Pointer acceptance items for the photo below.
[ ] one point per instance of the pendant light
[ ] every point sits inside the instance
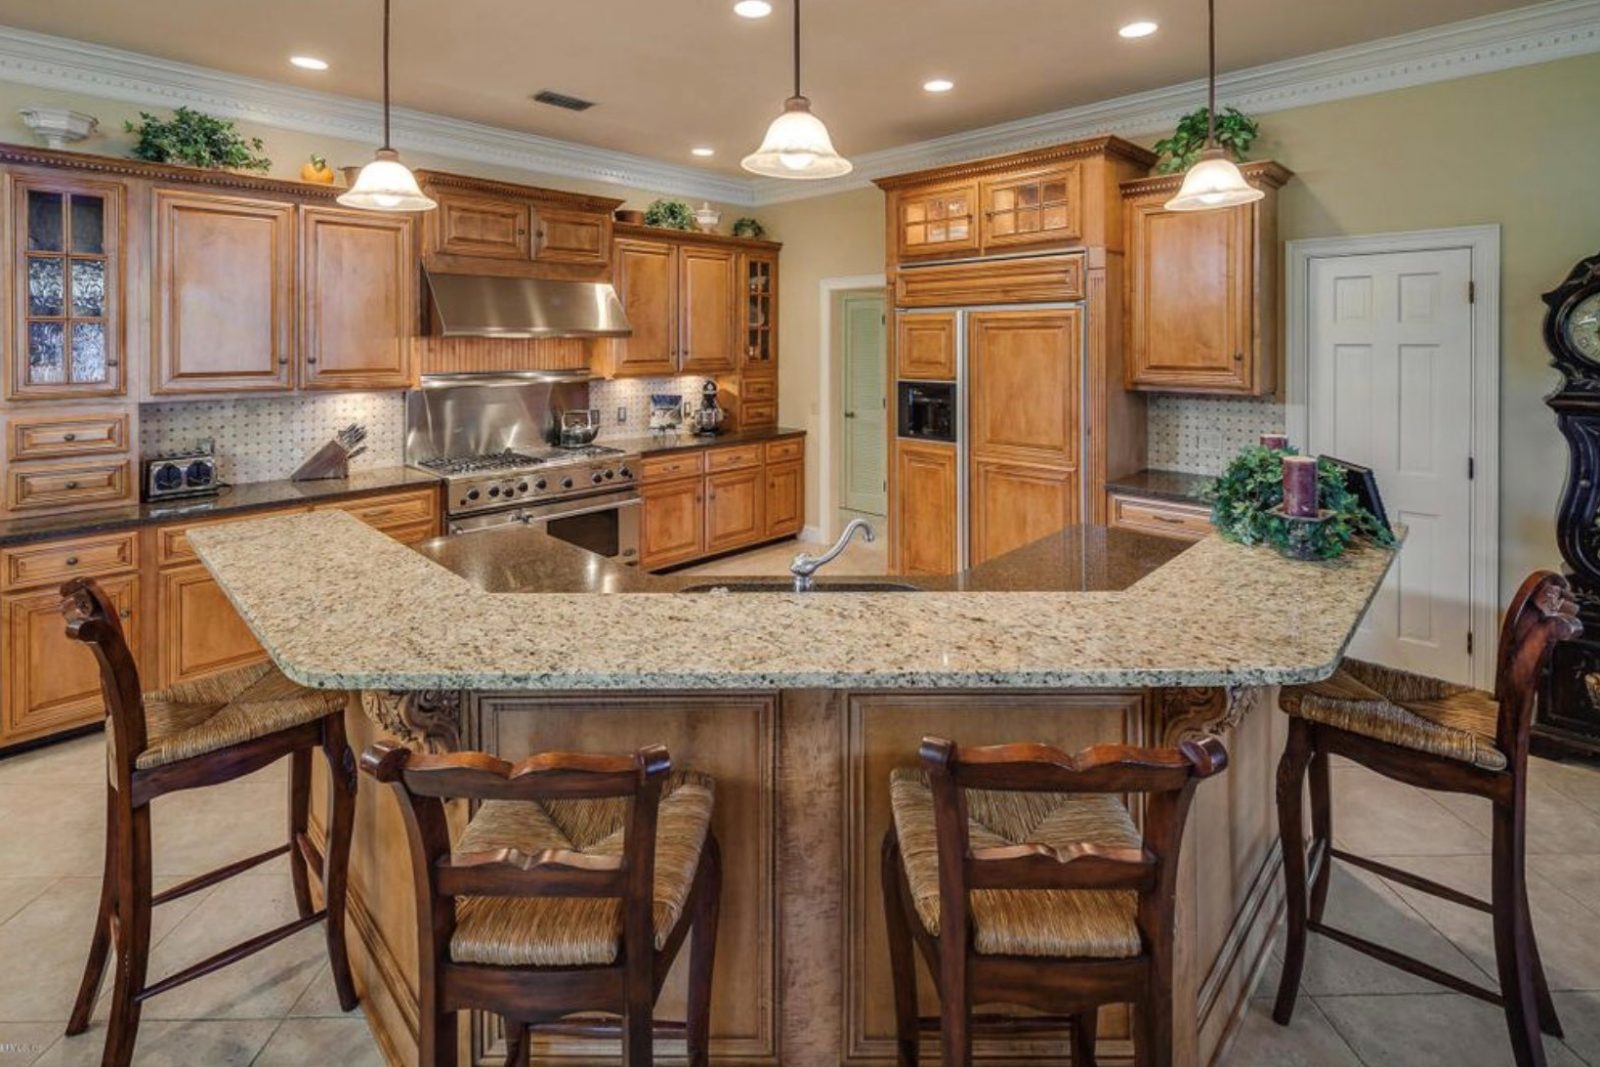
(386, 184)
(797, 144)
(1215, 181)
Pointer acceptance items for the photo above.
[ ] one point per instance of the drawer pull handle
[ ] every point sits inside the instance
(69, 437)
(72, 561)
(1167, 518)
(72, 485)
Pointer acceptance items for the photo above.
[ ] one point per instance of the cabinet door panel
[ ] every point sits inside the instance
(925, 346)
(709, 344)
(735, 509)
(1015, 505)
(786, 498)
(224, 293)
(201, 634)
(672, 527)
(52, 682)
(646, 277)
(925, 508)
(760, 354)
(357, 303)
(481, 226)
(940, 221)
(579, 237)
(1040, 207)
(1024, 370)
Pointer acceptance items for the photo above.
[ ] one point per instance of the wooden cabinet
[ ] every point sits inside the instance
(1032, 208)
(1165, 518)
(645, 274)
(68, 485)
(200, 633)
(407, 517)
(706, 287)
(925, 346)
(67, 459)
(1202, 290)
(941, 220)
(51, 682)
(482, 226)
(67, 433)
(672, 526)
(223, 316)
(1014, 504)
(568, 236)
(357, 308)
(925, 508)
(65, 338)
(501, 228)
(786, 498)
(760, 355)
(735, 508)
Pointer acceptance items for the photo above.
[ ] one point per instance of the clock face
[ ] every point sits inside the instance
(1583, 328)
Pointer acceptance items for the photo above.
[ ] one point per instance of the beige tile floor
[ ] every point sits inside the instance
(278, 1008)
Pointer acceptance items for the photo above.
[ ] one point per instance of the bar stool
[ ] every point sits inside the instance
(1023, 881)
(1432, 735)
(195, 734)
(571, 891)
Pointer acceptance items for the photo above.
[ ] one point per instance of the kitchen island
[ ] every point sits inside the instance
(799, 705)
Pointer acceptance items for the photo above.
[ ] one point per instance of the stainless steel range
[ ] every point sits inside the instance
(492, 443)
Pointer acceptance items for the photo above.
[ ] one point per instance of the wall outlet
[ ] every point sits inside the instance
(622, 414)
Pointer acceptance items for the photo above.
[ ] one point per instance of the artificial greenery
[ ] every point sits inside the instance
(196, 139)
(749, 227)
(670, 215)
(1242, 500)
(1236, 132)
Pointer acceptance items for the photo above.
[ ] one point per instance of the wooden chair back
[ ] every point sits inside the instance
(1543, 613)
(93, 618)
(1166, 777)
(423, 782)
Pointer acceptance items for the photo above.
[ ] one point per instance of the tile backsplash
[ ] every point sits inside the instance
(262, 439)
(1200, 434)
(633, 394)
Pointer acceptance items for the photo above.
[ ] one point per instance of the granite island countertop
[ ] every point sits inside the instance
(340, 606)
(1179, 486)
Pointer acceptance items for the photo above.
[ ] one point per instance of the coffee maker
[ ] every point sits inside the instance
(709, 418)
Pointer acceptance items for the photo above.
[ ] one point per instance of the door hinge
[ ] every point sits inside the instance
(1472, 292)
(1472, 467)
(1469, 642)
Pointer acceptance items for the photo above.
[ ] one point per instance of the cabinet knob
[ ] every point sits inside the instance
(1238, 357)
(72, 561)
(69, 437)
(111, 363)
(283, 361)
(125, 613)
(311, 359)
(72, 485)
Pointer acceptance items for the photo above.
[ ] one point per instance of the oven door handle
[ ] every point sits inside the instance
(555, 511)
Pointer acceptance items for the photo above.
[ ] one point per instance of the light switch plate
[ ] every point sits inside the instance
(622, 413)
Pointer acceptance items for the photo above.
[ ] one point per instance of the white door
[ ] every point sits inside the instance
(1390, 387)
(865, 413)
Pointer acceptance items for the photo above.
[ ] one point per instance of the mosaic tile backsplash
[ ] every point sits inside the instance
(1200, 434)
(633, 395)
(262, 439)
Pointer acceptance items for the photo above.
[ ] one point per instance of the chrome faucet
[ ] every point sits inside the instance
(805, 565)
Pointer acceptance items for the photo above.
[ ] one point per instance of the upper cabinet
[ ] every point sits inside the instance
(490, 227)
(65, 338)
(1202, 290)
(707, 287)
(760, 355)
(483, 226)
(1032, 208)
(224, 314)
(941, 220)
(645, 274)
(358, 312)
(568, 236)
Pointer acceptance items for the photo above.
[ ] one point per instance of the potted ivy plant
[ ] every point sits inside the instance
(1236, 132)
(196, 139)
(670, 215)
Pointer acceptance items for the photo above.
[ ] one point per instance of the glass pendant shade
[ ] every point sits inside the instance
(1213, 182)
(797, 145)
(386, 184)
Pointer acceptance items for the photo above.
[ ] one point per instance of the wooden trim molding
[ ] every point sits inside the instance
(26, 155)
(439, 179)
(690, 237)
(1083, 149)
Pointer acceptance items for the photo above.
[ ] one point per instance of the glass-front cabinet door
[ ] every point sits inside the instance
(761, 313)
(66, 334)
(939, 221)
(1040, 207)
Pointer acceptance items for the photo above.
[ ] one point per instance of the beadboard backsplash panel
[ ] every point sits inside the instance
(261, 439)
(1200, 434)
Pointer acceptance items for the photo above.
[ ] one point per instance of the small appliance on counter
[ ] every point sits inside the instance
(579, 428)
(332, 460)
(185, 473)
(708, 419)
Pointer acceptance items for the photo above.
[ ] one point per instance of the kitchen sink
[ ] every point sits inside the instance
(778, 585)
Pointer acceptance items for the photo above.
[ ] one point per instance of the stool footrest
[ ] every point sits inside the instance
(221, 874)
(229, 955)
(1406, 963)
(1415, 881)
(1006, 1024)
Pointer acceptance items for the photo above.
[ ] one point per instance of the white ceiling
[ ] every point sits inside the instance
(670, 75)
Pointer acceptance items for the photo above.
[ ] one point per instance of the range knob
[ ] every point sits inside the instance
(596, 478)
(473, 494)
(610, 474)
(522, 487)
(625, 472)
(566, 483)
(541, 485)
(494, 490)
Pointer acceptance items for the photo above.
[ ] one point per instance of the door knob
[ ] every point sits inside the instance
(849, 414)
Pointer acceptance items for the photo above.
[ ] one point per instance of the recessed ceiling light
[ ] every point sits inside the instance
(1142, 28)
(703, 152)
(938, 85)
(752, 9)
(309, 62)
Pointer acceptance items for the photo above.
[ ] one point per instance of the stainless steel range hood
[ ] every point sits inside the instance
(482, 305)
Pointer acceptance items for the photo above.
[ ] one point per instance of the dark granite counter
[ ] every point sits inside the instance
(659, 443)
(250, 496)
(1179, 486)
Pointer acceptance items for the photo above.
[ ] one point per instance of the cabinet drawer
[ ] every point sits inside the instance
(1029, 280)
(172, 542)
(675, 465)
(400, 509)
(55, 436)
(58, 561)
(759, 389)
(1188, 521)
(67, 485)
(760, 413)
(728, 459)
(787, 449)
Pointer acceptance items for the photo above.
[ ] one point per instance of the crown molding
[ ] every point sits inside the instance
(1521, 37)
(50, 62)
(1557, 29)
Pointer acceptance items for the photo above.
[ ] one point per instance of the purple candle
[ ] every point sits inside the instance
(1300, 486)
(1277, 442)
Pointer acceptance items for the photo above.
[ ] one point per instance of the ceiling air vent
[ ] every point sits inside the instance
(555, 99)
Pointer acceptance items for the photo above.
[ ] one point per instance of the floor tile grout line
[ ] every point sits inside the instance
(49, 884)
(268, 1042)
(1334, 1027)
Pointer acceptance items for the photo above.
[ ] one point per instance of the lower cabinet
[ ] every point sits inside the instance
(735, 509)
(1014, 504)
(925, 508)
(200, 633)
(672, 526)
(786, 498)
(1165, 518)
(749, 494)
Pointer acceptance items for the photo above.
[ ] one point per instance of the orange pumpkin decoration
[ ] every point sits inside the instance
(317, 170)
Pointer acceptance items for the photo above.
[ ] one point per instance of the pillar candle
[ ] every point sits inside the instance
(1275, 441)
(1300, 486)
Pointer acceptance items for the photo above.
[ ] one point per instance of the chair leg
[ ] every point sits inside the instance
(299, 819)
(902, 955)
(1549, 1021)
(100, 942)
(1084, 1027)
(955, 999)
(336, 859)
(1291, 832)
(517, 1052)
(1152, 1029)
(702, 953)
(133, 934)
(638, 1034)
(1513, 944)
(436, 1044)
(1321, 831)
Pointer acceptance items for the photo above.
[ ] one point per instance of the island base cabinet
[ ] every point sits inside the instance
(52, 682)
(201, 634)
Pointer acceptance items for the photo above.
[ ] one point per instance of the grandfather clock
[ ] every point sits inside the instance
(1570, 716)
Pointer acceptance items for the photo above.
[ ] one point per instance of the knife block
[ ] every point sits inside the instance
(329, 461)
